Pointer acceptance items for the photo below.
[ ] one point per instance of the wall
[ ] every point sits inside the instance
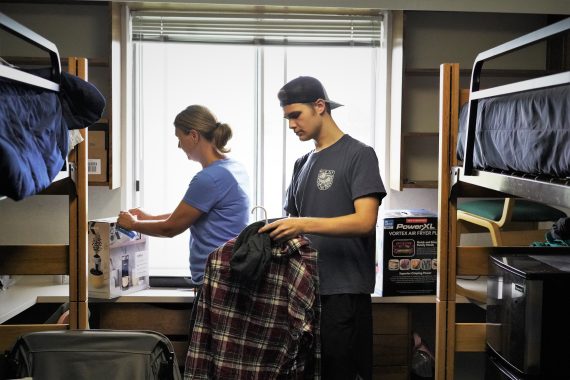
(460, 37)
(81, 28)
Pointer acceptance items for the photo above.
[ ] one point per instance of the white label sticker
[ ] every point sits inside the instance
(94, 166)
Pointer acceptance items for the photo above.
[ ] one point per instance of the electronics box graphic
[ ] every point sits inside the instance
(409, 253)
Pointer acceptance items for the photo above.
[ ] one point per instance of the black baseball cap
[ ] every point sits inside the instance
(304, 89)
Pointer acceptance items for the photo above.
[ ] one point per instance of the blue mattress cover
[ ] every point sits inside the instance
(34, 127)
(525, 132)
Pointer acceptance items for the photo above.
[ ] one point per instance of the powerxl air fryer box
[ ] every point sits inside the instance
(118, 260)
(409, 253)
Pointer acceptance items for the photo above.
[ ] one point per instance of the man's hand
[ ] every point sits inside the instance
(285, 229)
(361, 223)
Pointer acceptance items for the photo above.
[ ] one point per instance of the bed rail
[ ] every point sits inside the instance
(35, 39)
(526, 85)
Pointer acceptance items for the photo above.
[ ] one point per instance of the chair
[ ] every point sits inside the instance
(509, 221)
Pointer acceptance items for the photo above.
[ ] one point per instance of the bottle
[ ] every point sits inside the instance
(97, 263)
(97, 245)
(125, 272)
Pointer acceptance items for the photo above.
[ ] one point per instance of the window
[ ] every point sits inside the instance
(238, 80)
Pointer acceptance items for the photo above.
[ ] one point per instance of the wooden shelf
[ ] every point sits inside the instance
(420, 134)
(44, 61)
(485, 72)
(104, 184)
(411, 184)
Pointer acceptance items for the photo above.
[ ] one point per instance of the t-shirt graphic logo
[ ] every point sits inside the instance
(325, 179)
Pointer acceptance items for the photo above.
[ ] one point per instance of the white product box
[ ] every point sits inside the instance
(118, 260)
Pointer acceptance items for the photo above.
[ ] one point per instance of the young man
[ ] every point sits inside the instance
(333, 198)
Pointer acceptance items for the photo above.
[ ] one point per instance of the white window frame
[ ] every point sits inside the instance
(380, 137)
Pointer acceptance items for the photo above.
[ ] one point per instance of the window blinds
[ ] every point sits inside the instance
(258, 29)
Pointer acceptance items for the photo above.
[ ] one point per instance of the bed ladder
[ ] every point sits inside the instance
(56, 259)
(453, 260)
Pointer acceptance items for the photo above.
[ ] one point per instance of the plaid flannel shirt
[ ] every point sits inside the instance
(265, 330)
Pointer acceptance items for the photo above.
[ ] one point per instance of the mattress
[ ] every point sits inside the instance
(525, 132)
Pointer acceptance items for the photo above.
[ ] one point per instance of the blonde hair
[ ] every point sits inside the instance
(202, 120)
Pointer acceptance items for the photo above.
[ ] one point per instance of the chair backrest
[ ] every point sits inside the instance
(507, 212)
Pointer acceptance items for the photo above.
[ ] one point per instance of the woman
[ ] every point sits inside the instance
(216, 204)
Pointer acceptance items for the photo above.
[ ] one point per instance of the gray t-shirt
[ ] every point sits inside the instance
(326, 184)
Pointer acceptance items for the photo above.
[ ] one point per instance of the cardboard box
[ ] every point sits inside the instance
(97, 166)
(118, 260)
(97, 156)
(97, 140)
(409, 253)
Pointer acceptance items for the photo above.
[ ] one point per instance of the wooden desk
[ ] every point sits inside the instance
(26, 293)
(168, 311)
(169, 318)
(140, 311)
(392, 340)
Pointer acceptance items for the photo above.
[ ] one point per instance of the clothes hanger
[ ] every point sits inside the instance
(264, 212)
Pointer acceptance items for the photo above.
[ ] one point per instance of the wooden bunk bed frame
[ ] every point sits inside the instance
(456, 181)
(69, 259)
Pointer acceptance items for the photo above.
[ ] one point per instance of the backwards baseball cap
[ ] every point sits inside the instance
(304, 90)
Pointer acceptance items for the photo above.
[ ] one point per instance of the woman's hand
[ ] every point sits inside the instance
(140, 214)
(126, 220)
